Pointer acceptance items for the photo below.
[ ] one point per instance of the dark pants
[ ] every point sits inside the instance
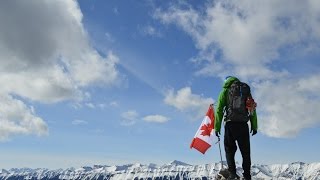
(237, 132)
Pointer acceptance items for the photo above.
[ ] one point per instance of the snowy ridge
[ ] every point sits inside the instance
(174, 170)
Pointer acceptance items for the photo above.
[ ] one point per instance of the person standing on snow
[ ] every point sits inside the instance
(236, 103)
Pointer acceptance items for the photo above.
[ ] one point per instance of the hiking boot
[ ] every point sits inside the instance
(224, 173)
(246, 176)
(233, 176)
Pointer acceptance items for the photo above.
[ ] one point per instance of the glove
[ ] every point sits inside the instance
(253, 131)
(218, 134)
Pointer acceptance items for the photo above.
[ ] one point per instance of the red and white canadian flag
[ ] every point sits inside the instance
(203, 139)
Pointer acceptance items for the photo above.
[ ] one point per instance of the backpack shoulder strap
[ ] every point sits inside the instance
(246, 88)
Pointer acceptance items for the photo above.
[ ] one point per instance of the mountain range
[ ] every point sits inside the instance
(174, 170)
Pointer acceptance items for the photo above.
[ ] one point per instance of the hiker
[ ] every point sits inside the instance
(235, 106)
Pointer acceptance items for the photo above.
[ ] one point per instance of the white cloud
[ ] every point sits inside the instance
(129, 118)
(150, 31)
(248, 34)
(114, 104)
(49, 41)
(91, 105)
(44, 85)
(252, 40)
(288, 106)
(45, 55)
(184, 100)
(309, 85)
(18, 119)
(79, 122)
(156, 118)
(93, 69)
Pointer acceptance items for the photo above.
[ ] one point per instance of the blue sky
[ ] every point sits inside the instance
(117, 82)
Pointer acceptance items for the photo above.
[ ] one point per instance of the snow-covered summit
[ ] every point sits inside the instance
(173, 170)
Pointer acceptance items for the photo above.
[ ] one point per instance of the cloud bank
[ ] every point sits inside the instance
(45, 56)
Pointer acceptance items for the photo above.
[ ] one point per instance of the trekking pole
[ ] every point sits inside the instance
(220, 153)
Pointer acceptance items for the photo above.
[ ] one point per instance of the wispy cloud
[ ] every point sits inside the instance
(129, 118)
(90, 105)
(156, 118)
(79, 122)
(150, 31)
(114, 104)
(109, 37)
(93, 105)
(184, 100)
(246, 34)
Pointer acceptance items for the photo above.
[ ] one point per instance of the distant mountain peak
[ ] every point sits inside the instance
(178, 163)
(299, 163)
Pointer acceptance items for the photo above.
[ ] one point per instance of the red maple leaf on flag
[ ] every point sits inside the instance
(207, 128)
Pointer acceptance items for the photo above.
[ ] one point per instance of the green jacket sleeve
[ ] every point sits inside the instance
(221, 103)
(254, 121)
